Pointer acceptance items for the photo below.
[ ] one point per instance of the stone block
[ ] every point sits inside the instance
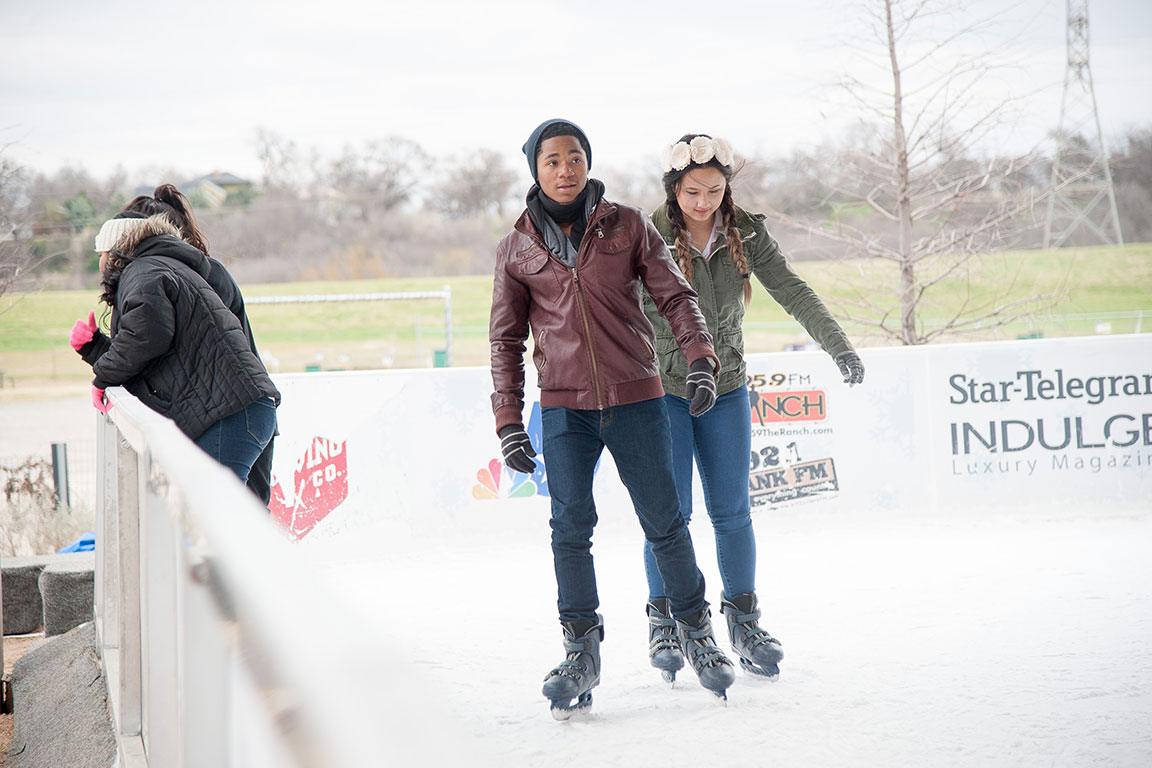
(67, 587)
(23, 608)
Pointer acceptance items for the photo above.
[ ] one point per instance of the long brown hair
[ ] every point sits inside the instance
(727, 212)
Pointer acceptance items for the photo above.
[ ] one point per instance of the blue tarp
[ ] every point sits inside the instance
(86, 543)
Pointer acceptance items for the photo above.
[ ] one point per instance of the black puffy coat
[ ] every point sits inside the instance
(175, 344)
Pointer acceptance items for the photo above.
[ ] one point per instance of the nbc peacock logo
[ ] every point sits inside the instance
(496, 481)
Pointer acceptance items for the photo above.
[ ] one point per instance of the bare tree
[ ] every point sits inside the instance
(377, 178)
(18, 256)
(914, 167)
(479, 183)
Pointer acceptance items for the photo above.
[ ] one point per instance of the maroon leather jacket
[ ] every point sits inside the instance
(594, 347)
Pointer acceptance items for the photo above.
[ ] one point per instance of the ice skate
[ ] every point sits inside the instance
(569, 686)
(759, 652)
(711, 665)
(664, 650)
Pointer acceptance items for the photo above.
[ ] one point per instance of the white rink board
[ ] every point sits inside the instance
(419, 445)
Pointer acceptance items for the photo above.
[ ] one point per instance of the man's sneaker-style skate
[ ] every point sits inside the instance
(579, 673)
(664, 649)
(759, 652)
(711, 665)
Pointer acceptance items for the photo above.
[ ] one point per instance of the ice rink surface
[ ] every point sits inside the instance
(986, 642)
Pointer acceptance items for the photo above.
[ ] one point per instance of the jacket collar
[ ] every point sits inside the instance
(160, 237)
(745, 222)
(602, 210)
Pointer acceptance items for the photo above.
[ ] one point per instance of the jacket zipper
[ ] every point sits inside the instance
(588, 338)
(583, 313)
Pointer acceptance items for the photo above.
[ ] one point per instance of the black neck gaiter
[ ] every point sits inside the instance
(564, 213)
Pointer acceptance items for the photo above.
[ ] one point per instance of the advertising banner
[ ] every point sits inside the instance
(1053, 426)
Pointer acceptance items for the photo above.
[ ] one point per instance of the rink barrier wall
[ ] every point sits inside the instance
(1046, 427)
(221, 644)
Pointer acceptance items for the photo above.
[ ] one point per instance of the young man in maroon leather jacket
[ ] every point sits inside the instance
(570, 272)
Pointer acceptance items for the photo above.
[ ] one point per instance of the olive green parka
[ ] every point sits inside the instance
(721, 290)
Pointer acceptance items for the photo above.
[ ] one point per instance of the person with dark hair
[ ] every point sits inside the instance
(570, 273)
(174, 344)
(719, 247)
(168, 200)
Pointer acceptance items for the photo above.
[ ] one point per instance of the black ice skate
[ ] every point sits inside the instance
(579, 673)
(711, 665)
(664, 649)
(759, 652)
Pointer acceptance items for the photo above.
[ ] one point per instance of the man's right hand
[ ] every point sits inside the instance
(517, 449)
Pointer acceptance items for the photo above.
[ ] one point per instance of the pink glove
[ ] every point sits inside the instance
(82, 332)
(98, 401)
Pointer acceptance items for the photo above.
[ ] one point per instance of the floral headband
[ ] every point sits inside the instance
(700, 150)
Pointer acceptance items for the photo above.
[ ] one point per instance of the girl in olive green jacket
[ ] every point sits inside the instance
(719, 247)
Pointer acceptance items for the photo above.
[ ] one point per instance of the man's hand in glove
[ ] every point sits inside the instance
(851, 367)
(517, 449)
(701, 387)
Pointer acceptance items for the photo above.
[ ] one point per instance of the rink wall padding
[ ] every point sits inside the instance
(1053, 427)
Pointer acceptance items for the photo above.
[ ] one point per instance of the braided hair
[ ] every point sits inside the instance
(726, 211)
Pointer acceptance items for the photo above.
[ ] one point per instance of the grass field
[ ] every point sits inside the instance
(1088, 286)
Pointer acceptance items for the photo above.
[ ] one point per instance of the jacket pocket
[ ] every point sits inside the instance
(532, 265)
(540, 358)
(672, 361)
(646, 353)
(730, 350)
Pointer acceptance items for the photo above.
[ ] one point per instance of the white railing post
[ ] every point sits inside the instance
(128, 548)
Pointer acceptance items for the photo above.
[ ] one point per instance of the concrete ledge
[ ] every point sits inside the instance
(67, 586)
(61, 706)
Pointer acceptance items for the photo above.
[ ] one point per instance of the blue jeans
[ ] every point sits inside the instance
(721, 442)
(236, 441)
(637, 436)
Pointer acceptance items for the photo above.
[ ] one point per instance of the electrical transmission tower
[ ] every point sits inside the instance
(1082, 200)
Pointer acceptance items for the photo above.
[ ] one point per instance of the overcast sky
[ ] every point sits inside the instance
(187, 85)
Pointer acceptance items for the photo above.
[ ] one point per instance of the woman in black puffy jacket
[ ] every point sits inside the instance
(174, 344)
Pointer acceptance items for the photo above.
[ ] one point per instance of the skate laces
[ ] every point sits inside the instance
(663, 637)
(705, 653)
(570, 667)
(755, 635)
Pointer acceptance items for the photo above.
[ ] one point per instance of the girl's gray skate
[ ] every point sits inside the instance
(576, 676)
(759, 652)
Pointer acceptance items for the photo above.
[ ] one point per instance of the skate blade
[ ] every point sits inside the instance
(770, 672)
(722, 695)
(563, 710)
(669, 676)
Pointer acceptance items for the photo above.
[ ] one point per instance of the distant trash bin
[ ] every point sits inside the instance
(439, 358)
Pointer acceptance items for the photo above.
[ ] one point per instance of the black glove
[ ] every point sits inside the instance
(517, 449)
(851, 367)
(701, 387)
